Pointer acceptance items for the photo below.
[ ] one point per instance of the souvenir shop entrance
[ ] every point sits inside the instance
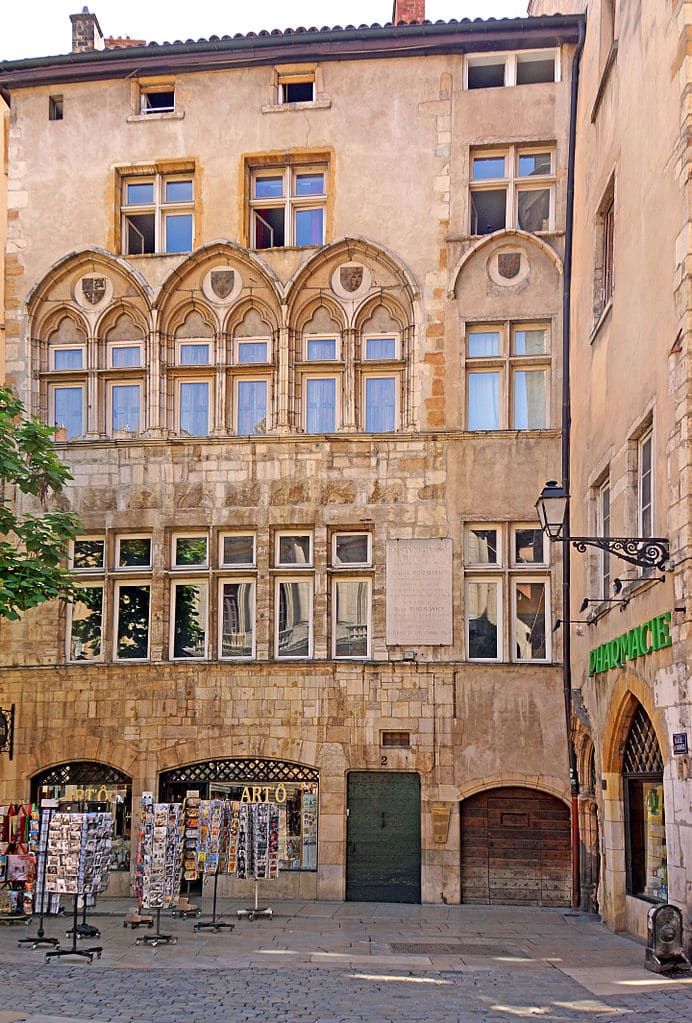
(294, 787)
(93, 786)
(383, 842)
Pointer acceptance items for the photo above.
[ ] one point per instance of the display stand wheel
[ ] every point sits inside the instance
(157, 938)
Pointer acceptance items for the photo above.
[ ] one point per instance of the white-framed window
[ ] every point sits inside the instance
(645, 484)
(293, 548)
(603, 529)
(525, 67)
(66, 357)
(189, 550)
(193, 353)
(351, 617)
(604, 267)
(512, 187)
(132, 621)
(351, 549)
(293, 617)
(125, 355)
(249, 350)
(157, 213)
(133, 552)
(124, 406)
(288, 205)
(320, 349)
(251, 405)
(380, 347)
(506, 592)
(296, 88)
(237, 618)
(322, 403)
(237, 550)
(66, 408)
(85, 624)
(380, 402)
(507, 376)
(188, 622)
(193, 407)
(157, 99)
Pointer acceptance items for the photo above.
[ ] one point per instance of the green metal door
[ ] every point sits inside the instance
(383, 837)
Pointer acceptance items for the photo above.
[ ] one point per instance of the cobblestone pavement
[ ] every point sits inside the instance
(333, 962)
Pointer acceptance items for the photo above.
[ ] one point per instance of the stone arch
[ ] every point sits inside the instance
(64, 323)
(542, 783)
(492, 239)
(195, 318)
(87, 261)
(629, 690)
(243, 310)
(114, 323)
(98, 749)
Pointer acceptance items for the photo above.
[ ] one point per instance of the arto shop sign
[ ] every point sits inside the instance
(638, 642)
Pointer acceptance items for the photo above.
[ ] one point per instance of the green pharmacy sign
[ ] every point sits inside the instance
(638, 642)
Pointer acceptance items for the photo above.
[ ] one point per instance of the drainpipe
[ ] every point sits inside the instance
(566, 431)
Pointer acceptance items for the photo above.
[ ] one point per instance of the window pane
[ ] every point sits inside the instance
(481, 614)
(132, 630)
(269, 227)
(158, 102)
(380, 348)
(252, 351)
(320, 399)
(298, 92)
(237, 619)
(645, 492)
(530, 71)
(321, 348)
(529, 399)
(125, 355)
(647, 839)
(88, 554)
(190, 550)
(294, 620)
(138, 193)
(534, 163)
(351, 549)
(179, 232)
(194, 355)
(528, 546)
(139, 234)
(481, 546)
(194, 409)
(134, 552)
(179, 191)
(309, 229)
(309, 184)
(533, 210)
(380, 404)
(488, 211)
(269, 188)
(483, 397)
(351, 598)
(252, 407)
(238, 550)
(68, 358)
(87, 624)
(488, 167)
(68, 410)
(125, 407)
(530, 342)
(483, 343)
(189, 622)
(486, 76)
(529, 621)
(294, 550)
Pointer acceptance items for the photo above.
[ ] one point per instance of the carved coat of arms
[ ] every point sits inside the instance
(351, 278)
(222, 282)
(508, 264)
(93, 289)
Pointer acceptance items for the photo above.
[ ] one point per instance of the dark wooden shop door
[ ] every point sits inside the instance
(383, 837)
(515, 849)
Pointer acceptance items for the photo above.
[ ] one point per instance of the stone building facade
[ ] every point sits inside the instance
(298, 314)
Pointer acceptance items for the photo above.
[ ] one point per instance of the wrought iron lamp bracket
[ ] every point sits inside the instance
(643, 551)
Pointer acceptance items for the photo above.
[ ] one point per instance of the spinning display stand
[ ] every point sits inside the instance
(212, 852)
(77, 860)
(159, 863)
(48, 807)
(255, 841)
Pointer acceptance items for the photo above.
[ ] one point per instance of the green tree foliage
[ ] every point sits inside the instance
(32, 547)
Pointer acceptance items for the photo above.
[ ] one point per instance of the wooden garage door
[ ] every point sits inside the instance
(515, 849)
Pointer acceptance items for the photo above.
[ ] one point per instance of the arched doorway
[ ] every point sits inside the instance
(515, 849)
(645, 821)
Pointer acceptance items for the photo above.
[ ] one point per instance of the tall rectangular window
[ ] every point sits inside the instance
(483, 622)
(252, 407)
(320, 405)
(512, 187)
(194, 408)
(507, 377)
(86, 625)
(68, 409)
(237, 618)
(529, 617)
(380, 404)
(288, 205)
(603, 529)
(351, 617)
(189, 619)
(645, 491)
(132, 621)
(125, 404)
(293, 637)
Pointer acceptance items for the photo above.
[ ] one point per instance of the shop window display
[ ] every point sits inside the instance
(645, 823)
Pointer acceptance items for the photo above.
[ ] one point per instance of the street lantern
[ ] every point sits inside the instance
(552, 507)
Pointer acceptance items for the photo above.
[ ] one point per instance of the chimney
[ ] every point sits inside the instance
(86, 32)
(408, 12)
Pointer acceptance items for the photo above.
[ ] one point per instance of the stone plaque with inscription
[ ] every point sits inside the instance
(419, 592)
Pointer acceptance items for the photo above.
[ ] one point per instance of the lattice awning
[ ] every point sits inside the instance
(642, 752)
(82, 772)
(240, 770)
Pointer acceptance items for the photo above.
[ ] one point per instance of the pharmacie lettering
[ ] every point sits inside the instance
(263, 794)
(638, 642)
